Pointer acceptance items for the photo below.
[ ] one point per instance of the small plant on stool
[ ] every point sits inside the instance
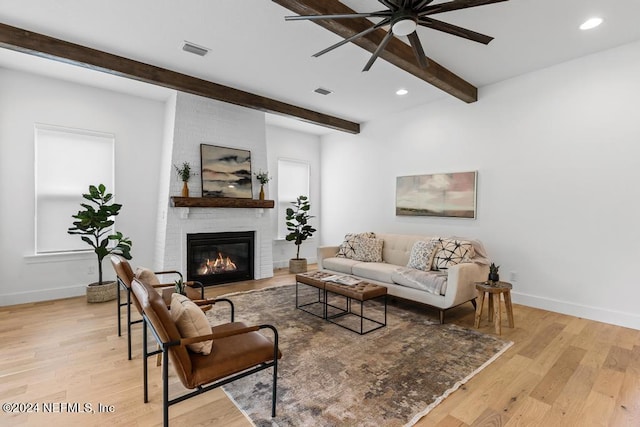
(493, 273)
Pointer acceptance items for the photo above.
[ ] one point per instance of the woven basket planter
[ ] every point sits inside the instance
(298, 265)
(101, 293)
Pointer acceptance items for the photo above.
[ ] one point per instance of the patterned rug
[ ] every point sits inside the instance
(330, 376)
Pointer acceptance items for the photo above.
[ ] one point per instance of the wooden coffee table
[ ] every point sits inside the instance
(361, 292)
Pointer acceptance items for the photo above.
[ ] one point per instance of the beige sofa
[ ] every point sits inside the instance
(443, 290)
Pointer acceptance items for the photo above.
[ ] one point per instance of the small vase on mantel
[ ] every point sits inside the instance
(261, 195)
(185, 189)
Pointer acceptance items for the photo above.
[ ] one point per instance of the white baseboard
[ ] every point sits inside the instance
(285, 263)
(42, 295)
(620, 318)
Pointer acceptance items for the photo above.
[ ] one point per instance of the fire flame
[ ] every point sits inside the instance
(221, 264)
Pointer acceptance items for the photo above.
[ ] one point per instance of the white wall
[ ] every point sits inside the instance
(558, 159)
(294, 145)
(138, 125)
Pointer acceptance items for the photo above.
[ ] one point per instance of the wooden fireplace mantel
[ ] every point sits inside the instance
(221, 202)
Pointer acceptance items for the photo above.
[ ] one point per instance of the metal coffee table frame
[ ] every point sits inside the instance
(320, 300)
(348, 311)
(325, 289)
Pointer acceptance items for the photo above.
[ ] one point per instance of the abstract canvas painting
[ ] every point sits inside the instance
(226, 172)
(443, 194)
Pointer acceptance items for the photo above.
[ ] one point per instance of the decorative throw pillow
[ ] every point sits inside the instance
(346, 249)
(367, 249)
(191, 322)
(147, 276)
(422, 254)
(452, 252)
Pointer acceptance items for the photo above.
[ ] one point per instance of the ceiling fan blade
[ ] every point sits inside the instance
(390, 4)
(418, 50)
(454, 5)
(352, 38)
(378, 51)
(379, 14)
(422, 4)
(454, 30)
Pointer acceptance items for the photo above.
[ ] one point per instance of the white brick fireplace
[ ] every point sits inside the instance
(191, 121)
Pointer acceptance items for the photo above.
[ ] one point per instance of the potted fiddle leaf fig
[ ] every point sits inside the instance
(93, 224)
(299, 230)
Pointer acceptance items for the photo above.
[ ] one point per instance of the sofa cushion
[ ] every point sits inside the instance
(434, 282)
(341, 265)
(422, 254)
(452, 252)
(378, 271)
(347, 249)
(397, 247)
(367, 249)
(191, 322)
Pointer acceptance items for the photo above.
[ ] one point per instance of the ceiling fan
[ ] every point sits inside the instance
(404, 17)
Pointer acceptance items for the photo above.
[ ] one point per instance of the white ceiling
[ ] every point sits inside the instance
(254, 49)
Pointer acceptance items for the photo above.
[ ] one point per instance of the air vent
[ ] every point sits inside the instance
(195, 49)
(322, 91)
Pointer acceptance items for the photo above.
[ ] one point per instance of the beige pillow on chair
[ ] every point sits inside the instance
(147, 276)
(191, 322)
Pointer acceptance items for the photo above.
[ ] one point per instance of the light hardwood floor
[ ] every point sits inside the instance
(561, 371)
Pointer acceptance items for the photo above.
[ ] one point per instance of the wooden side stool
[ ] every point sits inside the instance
(494, 289)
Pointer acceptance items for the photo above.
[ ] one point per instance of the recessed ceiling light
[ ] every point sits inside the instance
(591, 23)
(402, 92)
(194, 48)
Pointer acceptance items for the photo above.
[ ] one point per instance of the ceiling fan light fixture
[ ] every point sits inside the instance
(591, 23)
(404, 27)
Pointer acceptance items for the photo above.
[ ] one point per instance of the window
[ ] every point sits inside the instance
(293, 181)
(67, 161)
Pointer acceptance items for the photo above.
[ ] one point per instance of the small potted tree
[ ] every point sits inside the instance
(93, 224)
(299, 230)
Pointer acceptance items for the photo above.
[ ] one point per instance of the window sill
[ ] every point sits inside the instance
(59, 257)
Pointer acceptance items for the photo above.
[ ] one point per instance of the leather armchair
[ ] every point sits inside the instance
(124, 275)
(238, 350)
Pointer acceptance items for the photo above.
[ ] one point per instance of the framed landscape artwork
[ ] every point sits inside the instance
(226, 172)
(443, 195)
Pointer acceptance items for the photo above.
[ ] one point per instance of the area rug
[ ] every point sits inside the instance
(330, 376)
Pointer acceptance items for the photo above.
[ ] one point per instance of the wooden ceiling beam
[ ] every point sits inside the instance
(59, 50)
(398, 53)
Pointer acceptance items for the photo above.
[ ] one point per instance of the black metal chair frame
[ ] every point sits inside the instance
(164, 350)
(127, 303)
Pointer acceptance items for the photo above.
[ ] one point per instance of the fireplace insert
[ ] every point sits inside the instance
(218, 258)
